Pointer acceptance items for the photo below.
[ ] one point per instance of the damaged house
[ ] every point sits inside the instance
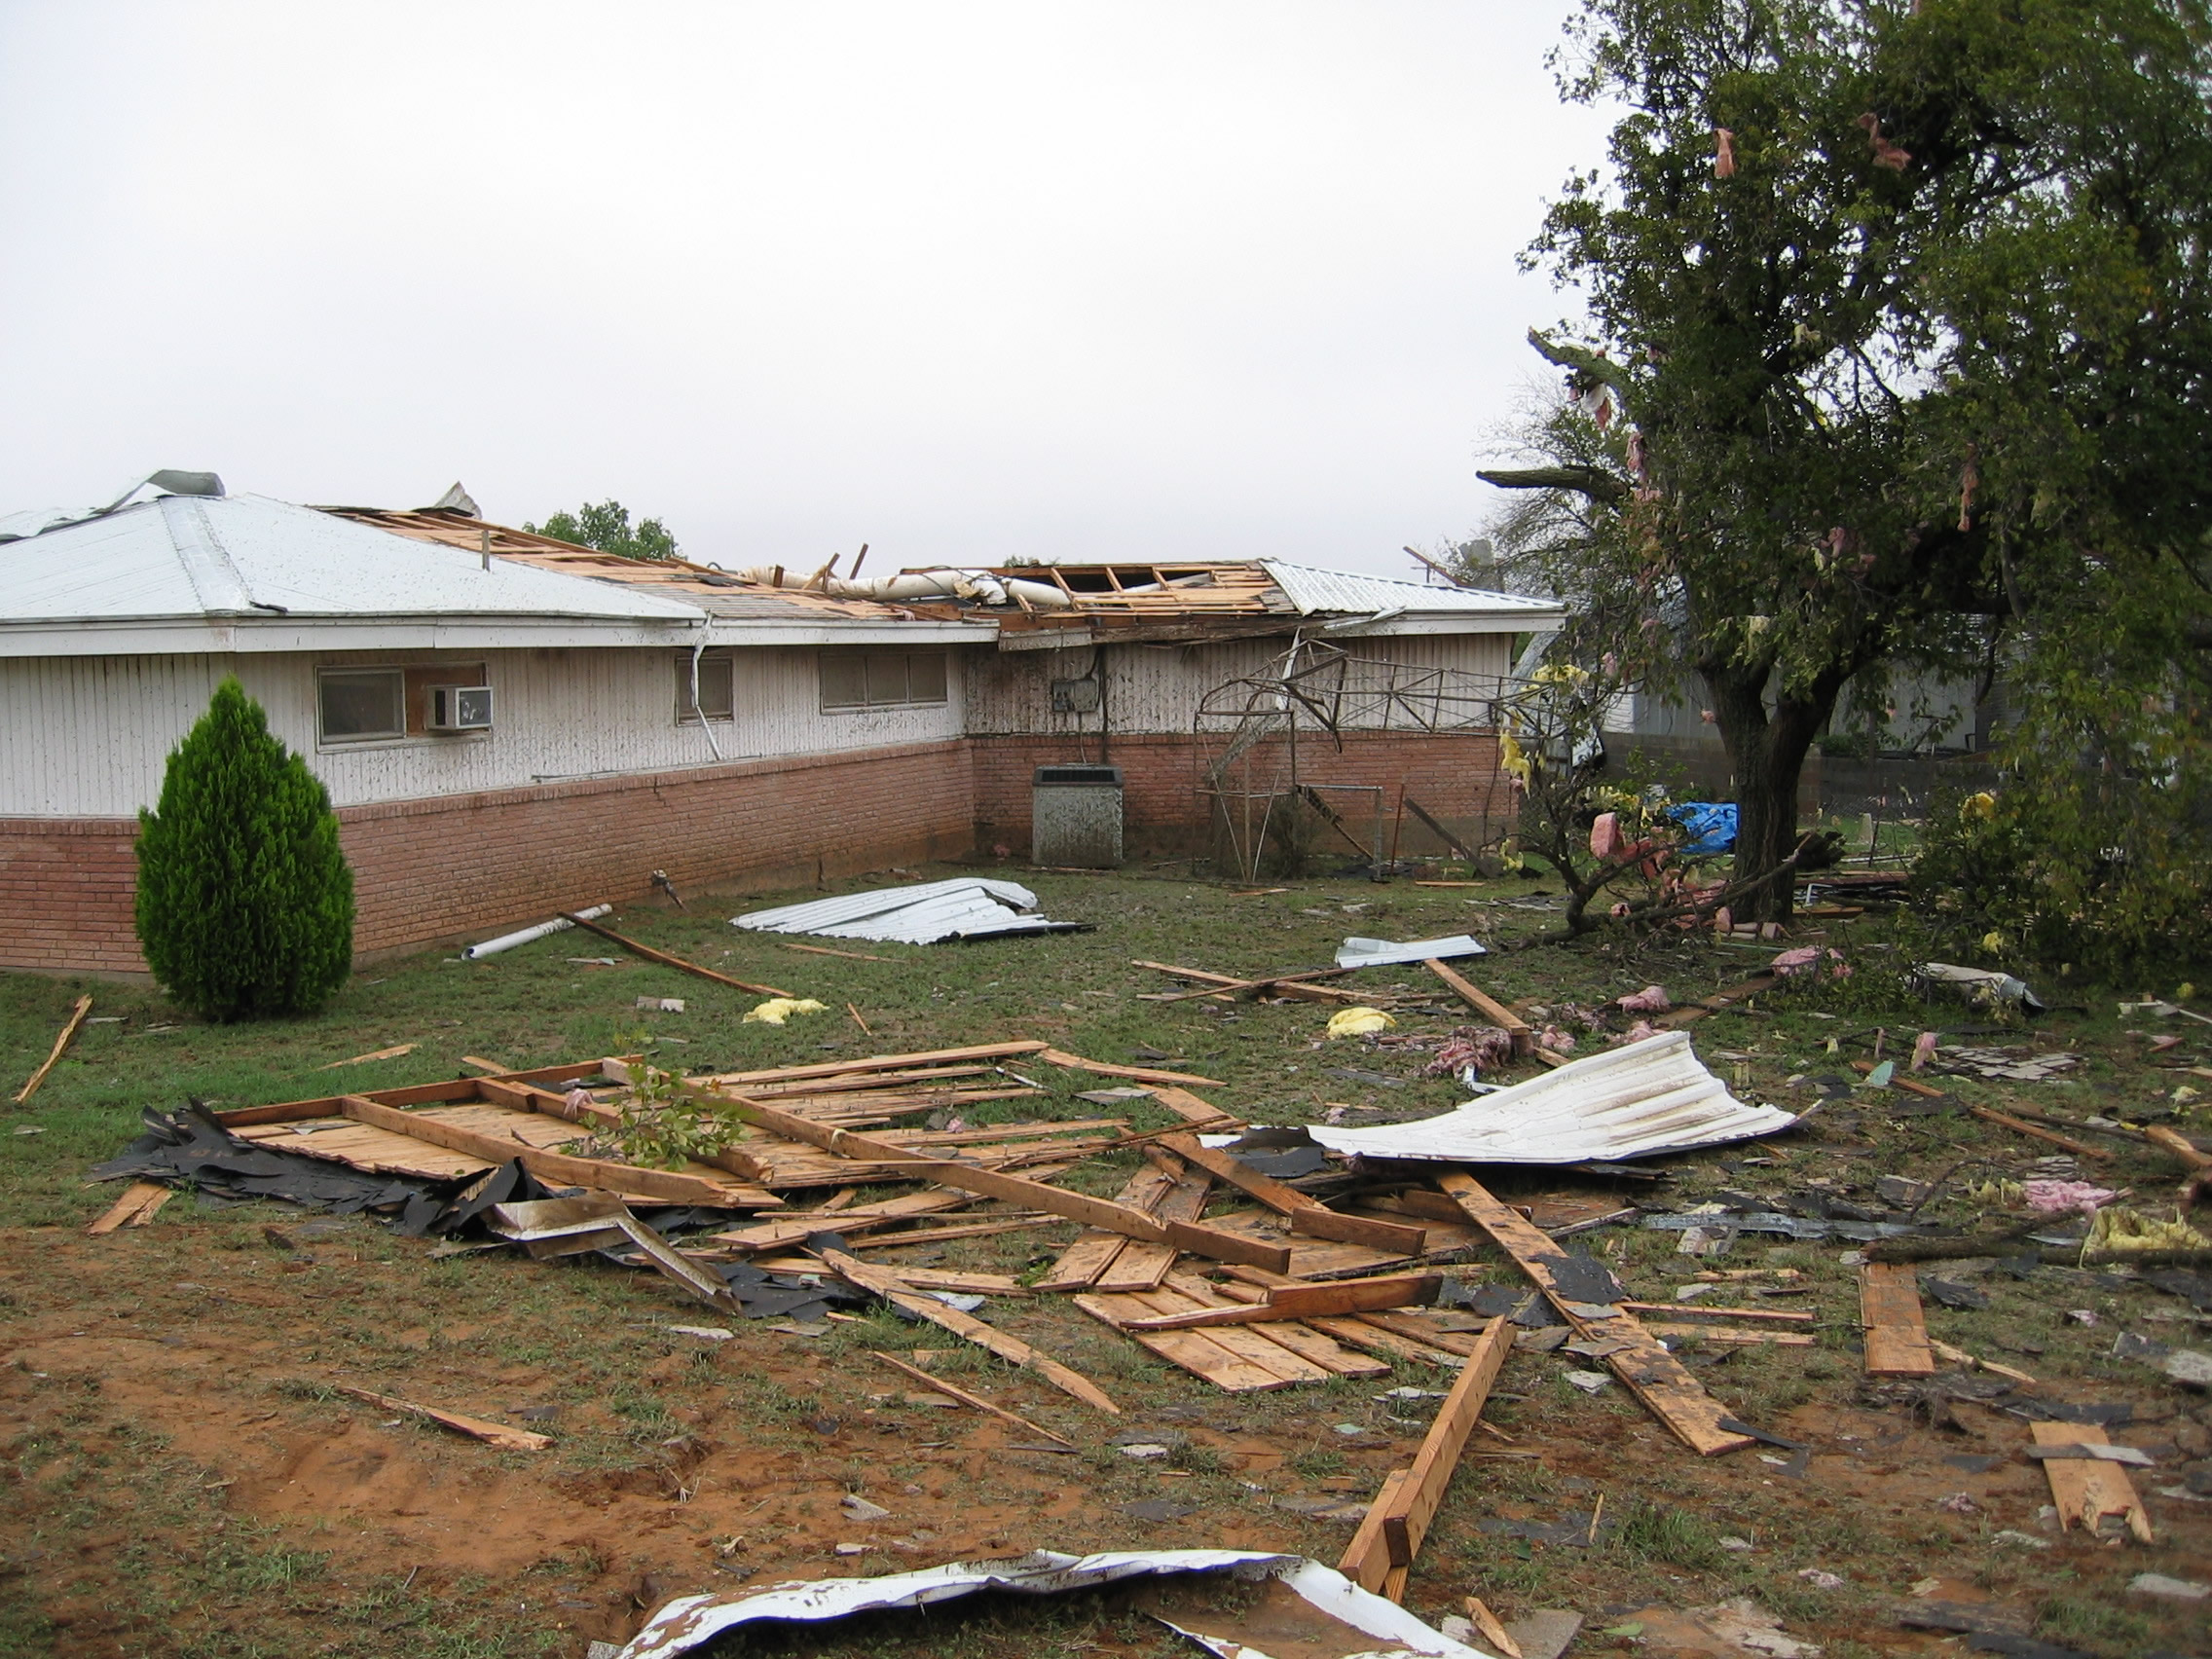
(510, 724)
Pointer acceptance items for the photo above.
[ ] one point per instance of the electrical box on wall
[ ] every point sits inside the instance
(1075, 697)
(460, 708)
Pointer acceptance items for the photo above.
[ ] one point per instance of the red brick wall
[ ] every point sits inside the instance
(473, 863)
(67, 891)
(1452, 776)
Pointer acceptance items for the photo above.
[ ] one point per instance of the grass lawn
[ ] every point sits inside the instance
(184, 1480)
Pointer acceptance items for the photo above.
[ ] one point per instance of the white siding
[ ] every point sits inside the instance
(89, 736)
(1157, 688)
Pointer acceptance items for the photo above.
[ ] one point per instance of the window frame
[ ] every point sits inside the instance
(685, 713)
(866, 659)
(396, 674)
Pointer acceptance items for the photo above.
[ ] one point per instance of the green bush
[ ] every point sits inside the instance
(245, 902)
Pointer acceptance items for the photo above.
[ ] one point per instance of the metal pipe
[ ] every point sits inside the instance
(507, 942)
(705, 724)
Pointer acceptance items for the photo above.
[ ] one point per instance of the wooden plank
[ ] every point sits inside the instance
(2004, 1120)
(1364, 1334)
(416, 1094)
(1307, 1301)
(1136, 1074)
(883, 1282)
(1140, 1266)
(782, 1234)
(1419, 1496)
(2085, 1490)
(667, 961)
(1449, 839)
(1303, 1213)
(1302, 1339)
(1897, 1333)
(61, 1044)
(554, 1166)
(1653, 1374)
(392, 1054)
(1193, 1351)
(1718, 1000)
(1200, 1114)
(1366, 1557)
(1496, 1013)
(1732, 1334)
(1101, 1213)
(135, 1208)
(1246, 1342)
(974, 1402)
(878, 1063)
(1419, 1330)
(1094, 1249)
(475, 1427)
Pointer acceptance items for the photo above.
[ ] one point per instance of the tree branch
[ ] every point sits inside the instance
(1591, 481)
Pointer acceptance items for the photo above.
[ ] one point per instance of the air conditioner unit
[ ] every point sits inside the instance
(460, 708)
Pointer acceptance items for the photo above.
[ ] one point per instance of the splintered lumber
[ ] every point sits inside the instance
(883, 1282)
(2198, 1165)
(1297, 987)
(782, 1232)
(1491, 1009)
(135, 1208)
(1732, 1336)
(1234, 1360)
(61, 1047)
(1718, 1000)
(1366, 1557)
(1360, 1332)
(1653, 1374)
(1701, 1310)
(2005, 1120)
(1308, 1301)
(1305, 1342)
(1897, 1333)
(476, 1428)
(2086, 1489)
(974, 1402)
(417, 1094)
(1304, 1216)
(1136, 1074)
(554, 1166)
(1198, 1114)
(1075, 1206)
(1416, 1499)
(1095, 1248)
(392, 1054)
(872, 1063)
(1142, 1266)
(1218, 986)
(667, 961)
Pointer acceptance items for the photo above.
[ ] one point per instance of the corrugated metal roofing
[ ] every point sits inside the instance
(1312, 590)
(966, 908)
(1635, 1101)
(195, 557)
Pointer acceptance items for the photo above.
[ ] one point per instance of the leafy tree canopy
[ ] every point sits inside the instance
(1897, 355)
(606, 526)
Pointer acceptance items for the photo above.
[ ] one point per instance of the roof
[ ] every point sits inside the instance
(1314, 590)
(784, 609)
(174, 571)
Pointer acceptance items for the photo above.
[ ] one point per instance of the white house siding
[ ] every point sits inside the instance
(89, 736)
(1157, 688)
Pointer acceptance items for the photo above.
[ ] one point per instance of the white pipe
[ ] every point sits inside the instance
(980, 585)
(705, 724)
(507, 942)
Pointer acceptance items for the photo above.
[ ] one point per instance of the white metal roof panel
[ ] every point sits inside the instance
(1312, 589)
(1635, 1101)
(247, 556)
(965, 907)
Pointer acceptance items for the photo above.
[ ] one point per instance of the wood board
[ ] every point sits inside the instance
(2085, 1491)
(1896, 1331)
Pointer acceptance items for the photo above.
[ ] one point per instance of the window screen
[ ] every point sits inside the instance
(363, 703)
(718, 686)
(882, 680)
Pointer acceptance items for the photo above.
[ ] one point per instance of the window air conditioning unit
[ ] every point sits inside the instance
(460, 708)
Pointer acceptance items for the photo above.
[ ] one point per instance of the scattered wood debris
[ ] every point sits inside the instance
(61, 1044)
(475, 1427)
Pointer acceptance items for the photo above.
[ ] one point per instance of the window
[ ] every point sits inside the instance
(717, 688)
(881, 679)
(361, 704)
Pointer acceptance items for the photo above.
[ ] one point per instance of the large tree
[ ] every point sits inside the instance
(1896, 356)
(606, 526)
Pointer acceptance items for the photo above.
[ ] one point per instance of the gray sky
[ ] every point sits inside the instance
(961, 281)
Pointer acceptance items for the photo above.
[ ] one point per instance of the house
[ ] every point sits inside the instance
(510, 724)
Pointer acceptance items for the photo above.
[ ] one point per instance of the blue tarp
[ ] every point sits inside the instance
(1711, 826)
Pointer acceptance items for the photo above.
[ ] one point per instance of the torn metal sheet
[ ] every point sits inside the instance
(1358, 952)
(1335, 1616)
(966, 908)
(1637, 1101)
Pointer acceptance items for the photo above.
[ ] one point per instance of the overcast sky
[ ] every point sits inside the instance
(960, 280)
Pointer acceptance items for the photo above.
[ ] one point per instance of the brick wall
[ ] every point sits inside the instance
(474, 864)
(1452, 776)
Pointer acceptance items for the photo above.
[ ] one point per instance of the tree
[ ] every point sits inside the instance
(245, 902)
(1897, 357)
(606, 526)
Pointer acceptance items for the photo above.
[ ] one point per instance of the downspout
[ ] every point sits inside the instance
(705, 724)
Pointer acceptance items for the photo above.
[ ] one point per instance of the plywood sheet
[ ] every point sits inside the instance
(1897, 1332)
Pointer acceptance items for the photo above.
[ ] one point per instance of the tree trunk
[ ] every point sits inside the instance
(1767, 751)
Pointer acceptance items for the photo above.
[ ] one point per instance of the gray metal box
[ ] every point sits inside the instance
(1076, 817)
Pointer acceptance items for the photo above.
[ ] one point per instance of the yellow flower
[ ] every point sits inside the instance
(1979, 808)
